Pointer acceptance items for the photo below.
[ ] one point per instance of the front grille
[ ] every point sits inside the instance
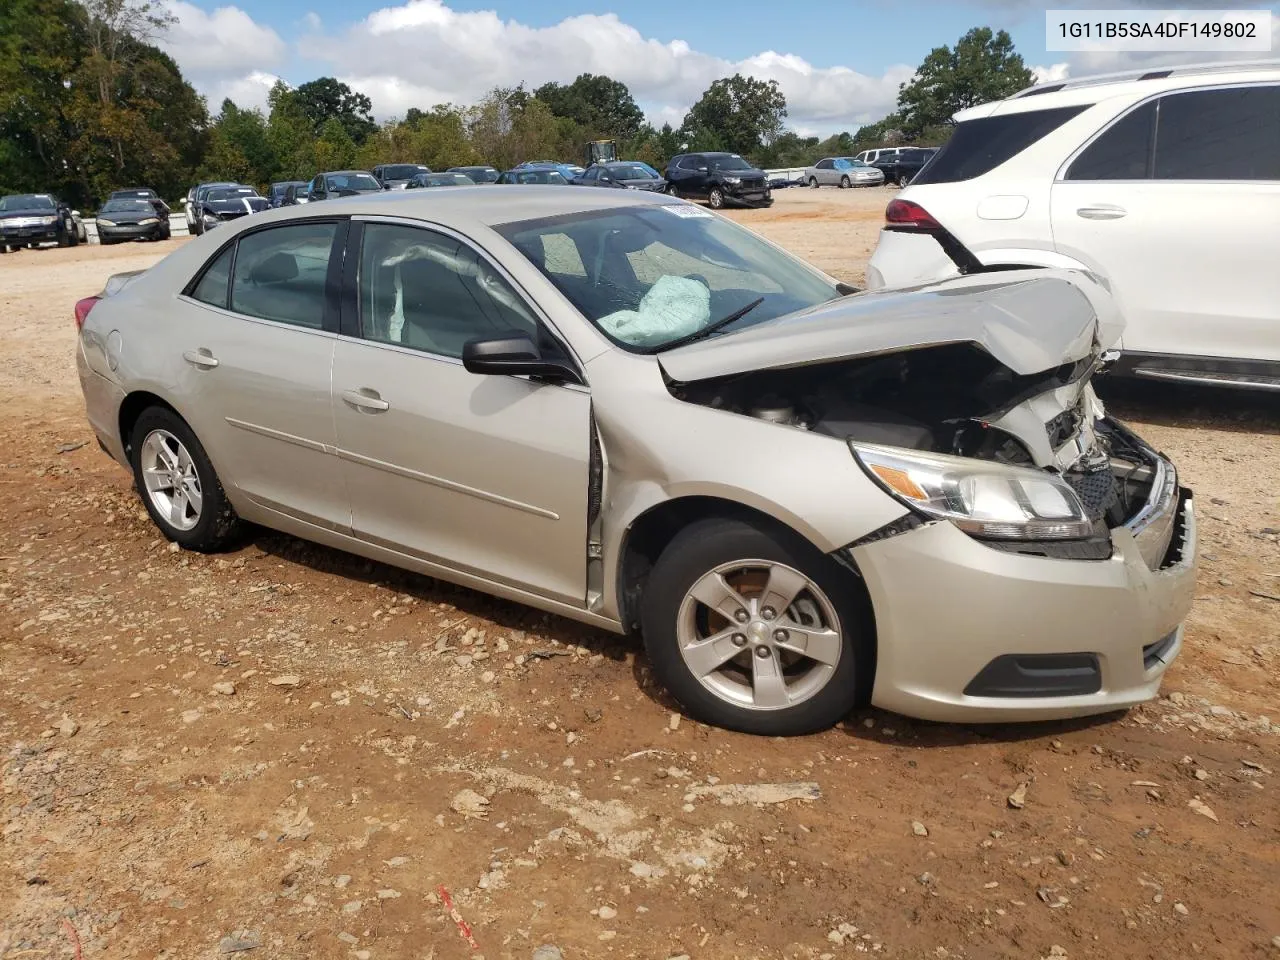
(755, 183)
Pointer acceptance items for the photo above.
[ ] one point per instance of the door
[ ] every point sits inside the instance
(316, 191)
(826, 172)
(253, 351)
(693, 176)
(486, 475)
(1178, 204)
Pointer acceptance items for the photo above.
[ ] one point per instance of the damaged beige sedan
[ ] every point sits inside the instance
(624, 409)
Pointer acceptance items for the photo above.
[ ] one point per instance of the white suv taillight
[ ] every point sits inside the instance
(905, 213)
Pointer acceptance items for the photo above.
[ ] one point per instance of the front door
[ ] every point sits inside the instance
(251, 365)
(1178, 205)
(486, 475)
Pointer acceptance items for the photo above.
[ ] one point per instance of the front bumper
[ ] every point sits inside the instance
(130, 231)
(39, 234)
(743, 197)
(947, 606)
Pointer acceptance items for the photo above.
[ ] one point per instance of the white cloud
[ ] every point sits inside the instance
(1051, 73)
(225, 43)
(247, 92)
(433, 53)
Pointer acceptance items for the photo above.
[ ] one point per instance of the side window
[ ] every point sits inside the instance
(591, 174)
(432, 292)
(1122, 152)
(1231, 134)
(824, 164)
(280, 274)
(212, 287)
(979, 146)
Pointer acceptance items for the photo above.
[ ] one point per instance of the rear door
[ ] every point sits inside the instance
(252, 350)
(485, 475)
(826, 172)
(1178, 204)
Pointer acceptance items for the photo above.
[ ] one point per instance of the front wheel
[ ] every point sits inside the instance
(845, 182)
(178, 484)
(673, 191)
(716, 198)
(754, 629)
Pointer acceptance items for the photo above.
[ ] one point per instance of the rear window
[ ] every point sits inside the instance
(979, 146)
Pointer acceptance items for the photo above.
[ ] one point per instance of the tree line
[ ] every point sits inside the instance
(88, 104)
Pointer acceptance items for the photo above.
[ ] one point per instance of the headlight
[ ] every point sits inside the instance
(148, 220)
(734, 180)
(106, 223)
(981, 498)
(48, 221)
(210, 218)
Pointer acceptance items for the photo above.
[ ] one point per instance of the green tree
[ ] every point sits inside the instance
(737, 113)
(289, 135)
(335, 150)
(509, 126)
(982, 67)
(326, 99)
(600, 105)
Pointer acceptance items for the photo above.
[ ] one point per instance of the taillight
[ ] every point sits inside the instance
(82, 310)
(905, 213)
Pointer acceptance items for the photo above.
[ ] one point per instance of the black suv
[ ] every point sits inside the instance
(901, 167)
(29, 219)
(718, 178)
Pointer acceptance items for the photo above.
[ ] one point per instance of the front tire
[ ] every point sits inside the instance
(716, 198)
(673, 191)
(178, 484)
(845, 183)
(752, 628)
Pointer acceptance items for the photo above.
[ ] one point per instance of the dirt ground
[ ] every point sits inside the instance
(404, 765)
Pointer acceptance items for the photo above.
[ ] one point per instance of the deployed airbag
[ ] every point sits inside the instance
(674, 307)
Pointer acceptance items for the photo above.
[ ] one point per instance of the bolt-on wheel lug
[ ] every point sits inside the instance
(742, 616)
(767, 613)
(781, 636)
(739, 640)
(763, 652)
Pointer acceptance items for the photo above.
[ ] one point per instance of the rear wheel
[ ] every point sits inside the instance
(716, 198)
(178, 484)
(904, 179)
(752, 628)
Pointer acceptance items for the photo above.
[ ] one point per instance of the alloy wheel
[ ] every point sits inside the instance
(171, 480)
(759, 634)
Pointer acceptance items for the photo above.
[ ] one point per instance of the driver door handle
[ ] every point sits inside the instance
(200, 358)
(366, 399)
(1102, 211)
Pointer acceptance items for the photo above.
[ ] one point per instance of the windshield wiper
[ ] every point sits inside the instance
(713, 327)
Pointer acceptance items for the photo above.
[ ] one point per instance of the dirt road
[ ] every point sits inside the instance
(289, 751)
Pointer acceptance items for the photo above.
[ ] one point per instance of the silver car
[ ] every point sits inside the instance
(843, 172)
(625, 409)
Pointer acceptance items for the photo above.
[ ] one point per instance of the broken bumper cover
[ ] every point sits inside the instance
(968, 633)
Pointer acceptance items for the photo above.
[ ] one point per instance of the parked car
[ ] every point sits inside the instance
(396, 176)
(534, 175)
(295, 194)
(131, 218)
(30, 219)
(871, 156)
(142, 193)
(622, 174)
(218, 205)
(566, 170)
(718, 178)
(843, 172)
(342, 183)
(480, 174)
(902, 167)
(440, 180)
(195, 197)
(1165, 182)
(277, 191)
(623, 409)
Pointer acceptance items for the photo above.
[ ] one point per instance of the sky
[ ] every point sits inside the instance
(838, 63)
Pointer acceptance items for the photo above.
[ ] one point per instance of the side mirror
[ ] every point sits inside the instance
(513, 354)
(75, 213)
(702, 169)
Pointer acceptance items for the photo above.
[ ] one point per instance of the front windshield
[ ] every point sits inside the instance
(539, 176)
(848, 163)
(127, 206)
(353, 181)
(234, 193)
(632, 171)
(648, 276)
(27, 201)
(731, 162)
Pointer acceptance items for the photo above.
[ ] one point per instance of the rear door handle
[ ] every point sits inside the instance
(366, 399)
(1102, 211)
(200, 358)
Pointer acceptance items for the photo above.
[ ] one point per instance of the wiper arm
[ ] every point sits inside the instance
(713, 327)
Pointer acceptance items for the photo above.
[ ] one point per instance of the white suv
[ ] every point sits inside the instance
(1165, 183)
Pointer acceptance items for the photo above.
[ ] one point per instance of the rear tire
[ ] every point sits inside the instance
(813, 183)
(177, 483)
(719, 667)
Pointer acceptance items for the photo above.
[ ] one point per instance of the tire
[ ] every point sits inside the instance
(715, 198)
(904, 179)
(845, 182)
(166, 231)
(813, 183)
(67, 238)
(814, 693)
(673, 191)
(206, 526)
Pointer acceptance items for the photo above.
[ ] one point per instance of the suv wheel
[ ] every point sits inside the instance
(177, 483)
(716, 198)
(673, 190)
(904, 179)
(754, 629)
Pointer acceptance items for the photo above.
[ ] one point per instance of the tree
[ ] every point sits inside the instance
(982, 67)
(602, 106)
(328, 99)
(290, 135)
(335, 150)
(737, 113)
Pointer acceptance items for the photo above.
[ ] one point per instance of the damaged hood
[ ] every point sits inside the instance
(1028, 320)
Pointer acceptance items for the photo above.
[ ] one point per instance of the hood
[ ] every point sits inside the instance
(28, 212)
(237, 205)
(647, 183)
(130, 216)
(353, 192)
(1028, 320)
